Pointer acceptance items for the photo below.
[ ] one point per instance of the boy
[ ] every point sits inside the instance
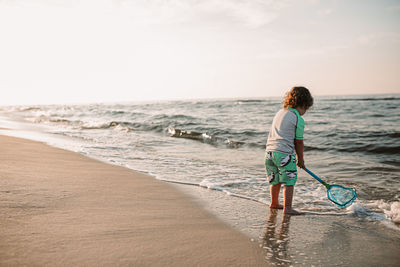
(285, 138)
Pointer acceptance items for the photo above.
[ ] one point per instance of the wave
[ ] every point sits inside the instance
(83, 125)
(248, 101)
(216, 187)
(213, 139)
(219, 137)
(251, 100)
(204, 138)
(371, 149)
(124, 126)
(200, 124)
(46, 119)
(315, 148)
(378, 210)
(362, 99)
(115, 112)
(244, 138)
(351, 135)
(390, 209)
(376, 134)
(174, 117)
(25, 109)
(63, 121)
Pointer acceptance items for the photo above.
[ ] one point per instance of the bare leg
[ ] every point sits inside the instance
(288, 199)
(274, 190)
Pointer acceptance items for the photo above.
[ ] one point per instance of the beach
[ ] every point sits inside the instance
(59, 208)
(180, 183)
(140, 133)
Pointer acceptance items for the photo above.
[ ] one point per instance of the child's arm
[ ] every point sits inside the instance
(299, 146)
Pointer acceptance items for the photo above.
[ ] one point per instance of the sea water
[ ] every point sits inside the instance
(352, 141)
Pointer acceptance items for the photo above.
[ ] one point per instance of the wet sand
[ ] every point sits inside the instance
(316, 239)
(59, 208)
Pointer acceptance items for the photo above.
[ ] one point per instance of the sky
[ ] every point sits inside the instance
(59, 51)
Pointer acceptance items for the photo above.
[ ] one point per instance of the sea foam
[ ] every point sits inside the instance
(391, 210)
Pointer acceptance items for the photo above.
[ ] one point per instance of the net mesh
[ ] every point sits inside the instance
(341, 196)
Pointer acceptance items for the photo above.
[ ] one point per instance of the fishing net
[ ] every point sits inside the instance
(341, 196)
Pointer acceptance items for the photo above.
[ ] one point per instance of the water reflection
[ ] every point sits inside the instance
(276, 241)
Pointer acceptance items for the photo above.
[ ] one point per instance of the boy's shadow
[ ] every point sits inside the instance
(276, 242)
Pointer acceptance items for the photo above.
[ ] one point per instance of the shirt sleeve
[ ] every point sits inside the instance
(299, 128)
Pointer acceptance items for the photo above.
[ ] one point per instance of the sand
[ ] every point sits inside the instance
(59, 208)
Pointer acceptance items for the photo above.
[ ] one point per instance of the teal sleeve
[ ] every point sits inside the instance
(299, 128)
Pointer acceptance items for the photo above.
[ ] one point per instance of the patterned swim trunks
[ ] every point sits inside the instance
(281, 168)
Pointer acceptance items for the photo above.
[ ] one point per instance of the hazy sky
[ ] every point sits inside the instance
(59, 51)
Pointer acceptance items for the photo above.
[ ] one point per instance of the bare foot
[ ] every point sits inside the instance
(290, 211)
(279, 206)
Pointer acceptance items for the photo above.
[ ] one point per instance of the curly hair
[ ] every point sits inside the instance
(298, 96)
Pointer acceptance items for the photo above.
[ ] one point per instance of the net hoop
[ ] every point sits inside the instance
(341, 196)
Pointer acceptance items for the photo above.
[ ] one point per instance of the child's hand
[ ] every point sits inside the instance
(299, 146)
(300, 163)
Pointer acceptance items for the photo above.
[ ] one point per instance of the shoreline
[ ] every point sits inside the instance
(62, 208)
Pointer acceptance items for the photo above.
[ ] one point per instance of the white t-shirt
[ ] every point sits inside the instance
(286, 126)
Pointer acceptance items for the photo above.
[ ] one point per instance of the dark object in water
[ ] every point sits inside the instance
(186, 134)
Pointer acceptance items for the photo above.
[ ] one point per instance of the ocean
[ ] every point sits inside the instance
(219, 145)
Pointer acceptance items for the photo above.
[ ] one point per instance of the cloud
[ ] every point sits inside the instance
(394, 8)
(313, 2)
(251, 13)
(324, 12)
(367, 39)
(282, 52)
(372, 39)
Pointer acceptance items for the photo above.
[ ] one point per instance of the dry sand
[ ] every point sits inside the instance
(59, 208)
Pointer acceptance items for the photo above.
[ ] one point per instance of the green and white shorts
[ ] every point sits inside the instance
(281, 168)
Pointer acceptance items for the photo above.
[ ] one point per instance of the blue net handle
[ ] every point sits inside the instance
(317, 178)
